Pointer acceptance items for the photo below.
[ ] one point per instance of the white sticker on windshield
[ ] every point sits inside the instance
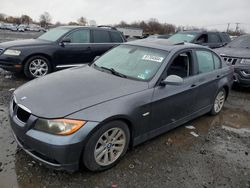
(153, 58)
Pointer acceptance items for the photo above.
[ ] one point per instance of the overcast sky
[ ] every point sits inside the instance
(201, 13)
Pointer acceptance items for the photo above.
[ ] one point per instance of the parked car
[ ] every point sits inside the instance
(2, 25)
(22, 27)
(36, 28)
(166, 36)
(9, 26)
(62, 47)
(132, 93)
(205, 38)
(237, 54)
(13, 28)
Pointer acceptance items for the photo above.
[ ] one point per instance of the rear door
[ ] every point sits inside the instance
(209, 73)
(77, 51)
(101, 42)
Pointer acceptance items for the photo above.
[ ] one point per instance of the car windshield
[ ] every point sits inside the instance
(140, 63)
(182, 37)
(54, 34)
(240, 42)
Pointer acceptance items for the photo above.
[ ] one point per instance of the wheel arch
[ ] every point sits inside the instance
(226, 87)
(124, 119)
(121, 118)
(39, 54)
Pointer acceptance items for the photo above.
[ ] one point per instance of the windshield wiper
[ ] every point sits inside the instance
(114, 72)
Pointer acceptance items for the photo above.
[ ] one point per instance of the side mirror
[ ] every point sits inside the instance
(65, 40)
(96, 57)
(224, 44)
(172, 80)
(199, 42)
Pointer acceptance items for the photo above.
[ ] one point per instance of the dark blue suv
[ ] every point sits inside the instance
(61, 47)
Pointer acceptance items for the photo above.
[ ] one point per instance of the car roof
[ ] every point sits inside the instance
(163, 44)
(88, 27)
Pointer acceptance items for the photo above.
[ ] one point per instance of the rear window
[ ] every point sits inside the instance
(116, 37)
(205, 61)
(101, 36)
(182, 37)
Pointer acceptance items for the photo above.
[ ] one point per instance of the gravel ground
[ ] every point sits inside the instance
(218, 157)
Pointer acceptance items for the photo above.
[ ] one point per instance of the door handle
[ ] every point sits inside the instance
(218, 76)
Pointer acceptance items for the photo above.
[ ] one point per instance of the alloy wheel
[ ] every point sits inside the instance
(219, 101)
(110, 146)
(38, 68)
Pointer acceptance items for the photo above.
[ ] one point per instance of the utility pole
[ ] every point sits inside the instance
(237, 27)
(228, 26)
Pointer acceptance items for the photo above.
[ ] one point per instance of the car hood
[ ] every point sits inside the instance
(60, 94)
(23, 43)
(234, 52)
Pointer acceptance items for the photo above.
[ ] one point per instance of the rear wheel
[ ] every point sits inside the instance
(218, 102)
(106, 146)
(36, 67)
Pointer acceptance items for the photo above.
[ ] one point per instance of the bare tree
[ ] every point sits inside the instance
(26, 19)
(14, 20)
(45, 19)
(152, 26)
(82, 21)
(72, 23)
(2, 17)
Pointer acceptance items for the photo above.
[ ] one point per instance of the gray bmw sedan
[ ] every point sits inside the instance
(90, 115)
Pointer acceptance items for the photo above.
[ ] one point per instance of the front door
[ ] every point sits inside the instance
(172, 103)
(77, 51)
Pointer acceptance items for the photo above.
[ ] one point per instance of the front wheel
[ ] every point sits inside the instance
(218, 102)
(106, 146)
(36, 67)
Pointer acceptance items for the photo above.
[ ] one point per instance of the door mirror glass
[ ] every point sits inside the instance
(172, 80)
(66, 40)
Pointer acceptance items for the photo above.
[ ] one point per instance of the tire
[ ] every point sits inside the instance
(219, 101)
(97, 156)
(32, 65)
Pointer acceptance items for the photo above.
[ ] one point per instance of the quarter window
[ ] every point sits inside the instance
(80, 36)
(205, 61)
(116, 37)
(101, 36)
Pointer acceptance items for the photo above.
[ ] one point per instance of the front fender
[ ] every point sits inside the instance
(129, 108)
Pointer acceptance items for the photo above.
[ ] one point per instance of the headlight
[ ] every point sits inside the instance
(12, 52)
(59, 126)
(245, 61)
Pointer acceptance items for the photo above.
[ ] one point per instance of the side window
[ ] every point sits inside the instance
(116, 37)
(181, 65)
(217, 62)
(202, 39)
(205, 61)
(80, 36)
(213, 38)
(101, 36)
